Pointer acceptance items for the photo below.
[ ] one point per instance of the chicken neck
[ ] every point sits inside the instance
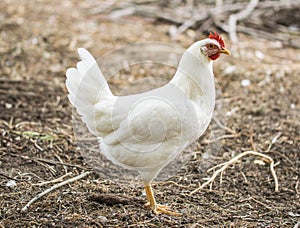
(195, 78)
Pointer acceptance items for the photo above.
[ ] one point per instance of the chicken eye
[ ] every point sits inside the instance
(210, 46)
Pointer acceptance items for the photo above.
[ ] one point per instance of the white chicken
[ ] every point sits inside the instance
(145, 131)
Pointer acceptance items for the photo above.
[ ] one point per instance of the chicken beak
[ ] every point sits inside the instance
(224, 51)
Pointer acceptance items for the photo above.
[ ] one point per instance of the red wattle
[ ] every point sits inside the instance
(214, 57)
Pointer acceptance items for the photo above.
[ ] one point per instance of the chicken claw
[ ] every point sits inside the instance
(157, 208)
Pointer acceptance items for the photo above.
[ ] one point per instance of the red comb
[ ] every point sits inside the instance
(218, 38)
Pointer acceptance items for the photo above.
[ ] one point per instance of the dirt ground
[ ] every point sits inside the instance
(38, 42)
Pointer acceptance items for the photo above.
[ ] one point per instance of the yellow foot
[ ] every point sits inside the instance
(156, 208)
(160, 209)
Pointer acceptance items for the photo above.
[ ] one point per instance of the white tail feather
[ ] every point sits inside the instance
(86, 86)
(87, 77)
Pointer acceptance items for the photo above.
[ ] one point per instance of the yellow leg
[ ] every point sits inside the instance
(156, 208)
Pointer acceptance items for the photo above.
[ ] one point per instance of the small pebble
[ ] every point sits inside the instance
(245, 82)
(8, 105)
(229, 70)
(11, 184)
(259, 54)
(259, 162)
(102, 218)
(34, 41)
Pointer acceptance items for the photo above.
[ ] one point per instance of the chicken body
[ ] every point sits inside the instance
(145, 131)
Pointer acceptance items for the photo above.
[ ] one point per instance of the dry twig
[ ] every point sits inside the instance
(61, 161)
(25, 208)
(239, 16)
(8, 177)
(52, 181)
(222, 126)
(35, 159)
(204, 16)
(296, 187)
(221, 138)
(231, 162)
(274, 140)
